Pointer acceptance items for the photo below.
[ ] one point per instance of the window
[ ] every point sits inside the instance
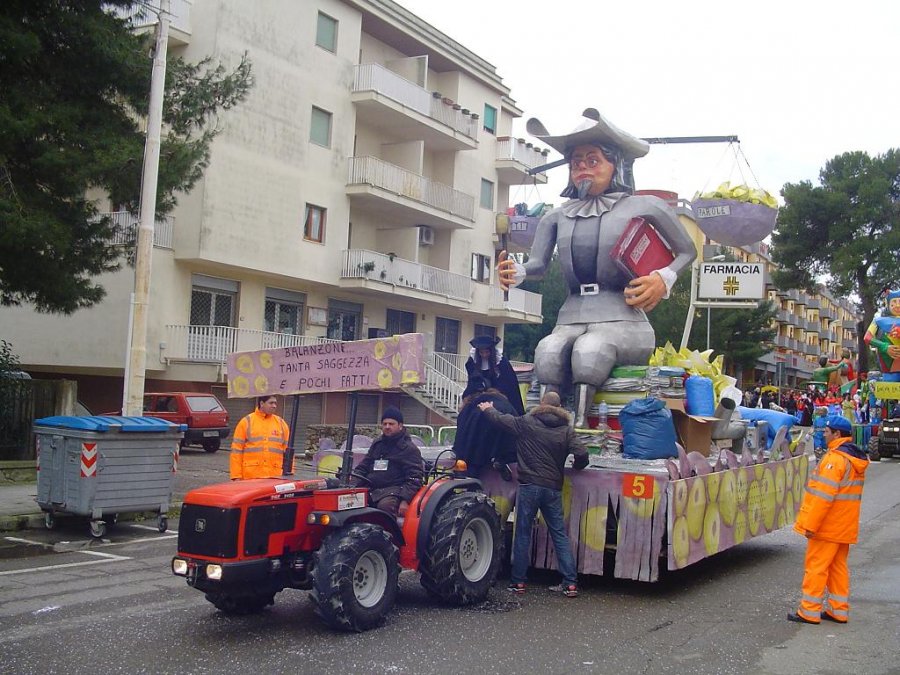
(314, 225)
(284, 311)
(446, 336)
(344, 320)
(212, 314)
(481, 267)
(320, 127)
(400, 322)
(487, 194)
(490, 119)
(326, 32)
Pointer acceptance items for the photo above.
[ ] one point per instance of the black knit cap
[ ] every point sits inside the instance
(392, 412)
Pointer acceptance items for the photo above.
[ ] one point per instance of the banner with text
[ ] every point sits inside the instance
(332, 366)
(731, 281)
(887, 390)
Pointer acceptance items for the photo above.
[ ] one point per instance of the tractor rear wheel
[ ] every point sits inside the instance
(355, 576)
(239, 605)
(874, 449)
(462, 558)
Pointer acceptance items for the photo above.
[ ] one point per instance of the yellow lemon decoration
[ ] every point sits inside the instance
(643, 508)
(789, 473)
(742, 484)
(409, 377)
(593, 528)
(754, 508)
(244, 363)
(567, 497)
(681, 542)
(261, 383)
(328, 465)
(695, 507)
(712, 529)
(728, 502)
(240, 386)
(265, 360)
(790, 513)
(680, 488)
(759, 470)
(396, 361)
(385, 378)
(767, 492)
(712, 485)
(780, 483)
(740, 528)
(380, 349)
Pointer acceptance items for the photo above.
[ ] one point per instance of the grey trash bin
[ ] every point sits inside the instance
(101, 466)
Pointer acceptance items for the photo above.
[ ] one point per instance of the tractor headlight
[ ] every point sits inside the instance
(179, 567)
(214, 572)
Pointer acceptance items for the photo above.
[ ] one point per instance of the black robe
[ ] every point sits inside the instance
(479, 442)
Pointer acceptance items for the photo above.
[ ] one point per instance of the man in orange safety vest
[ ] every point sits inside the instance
(260, 443)
(829, 519)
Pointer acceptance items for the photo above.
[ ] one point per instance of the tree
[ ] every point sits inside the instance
(847, 230)
(75, 82)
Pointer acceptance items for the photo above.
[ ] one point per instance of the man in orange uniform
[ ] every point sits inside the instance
(829, 518)
(259, 443)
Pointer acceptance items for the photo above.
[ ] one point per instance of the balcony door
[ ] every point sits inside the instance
(344, 320)
(283, 318)
(213, 302)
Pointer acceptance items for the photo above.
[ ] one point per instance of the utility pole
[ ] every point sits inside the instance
(133, 394)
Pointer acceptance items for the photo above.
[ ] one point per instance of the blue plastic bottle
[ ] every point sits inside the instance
(700, 396)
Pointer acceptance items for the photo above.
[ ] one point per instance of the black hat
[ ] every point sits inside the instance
(392, 412)
(484, 341)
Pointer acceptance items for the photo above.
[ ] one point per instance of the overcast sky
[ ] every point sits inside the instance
(798, 82)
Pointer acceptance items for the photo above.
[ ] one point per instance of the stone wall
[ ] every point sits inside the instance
(337, 433)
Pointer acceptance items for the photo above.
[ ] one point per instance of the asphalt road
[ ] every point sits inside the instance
(72, 605)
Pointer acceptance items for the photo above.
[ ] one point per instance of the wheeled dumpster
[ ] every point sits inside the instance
(102, 466)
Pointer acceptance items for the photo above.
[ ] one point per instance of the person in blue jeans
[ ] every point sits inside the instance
(544, 439)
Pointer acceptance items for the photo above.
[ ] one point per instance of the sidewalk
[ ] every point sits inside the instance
(20, 511)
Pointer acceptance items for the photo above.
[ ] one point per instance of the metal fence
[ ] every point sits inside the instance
(22, 402)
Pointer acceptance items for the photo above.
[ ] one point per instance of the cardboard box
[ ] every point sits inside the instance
(694, 431)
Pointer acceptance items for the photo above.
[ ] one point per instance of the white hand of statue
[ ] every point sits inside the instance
(645, 292)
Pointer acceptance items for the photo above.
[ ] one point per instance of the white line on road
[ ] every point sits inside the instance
(106, 558)
(18, 540)
(148, 527)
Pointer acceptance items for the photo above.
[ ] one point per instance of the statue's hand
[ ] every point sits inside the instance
(506, 271)
(645, 292)
(894, 351)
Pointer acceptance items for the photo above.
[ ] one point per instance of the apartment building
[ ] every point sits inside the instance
(352, 195)
(809, 326)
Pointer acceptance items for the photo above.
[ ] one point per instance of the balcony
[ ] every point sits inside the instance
(849, 344)
(813, 303)
(514, 158)
(125, 227)
(406, 199)
(782, 316)
(385, 273)
(793, 294)
(826, 312)
(144, 20)
(212, 344)
(824, 333)
(399, 108)
(781, 341)
(521, 304)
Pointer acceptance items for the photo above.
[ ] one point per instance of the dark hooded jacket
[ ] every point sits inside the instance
(543, 441)
(404, 473)
(479, 442)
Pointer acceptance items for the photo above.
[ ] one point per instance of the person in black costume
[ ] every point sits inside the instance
(478, 442)
(488, 362)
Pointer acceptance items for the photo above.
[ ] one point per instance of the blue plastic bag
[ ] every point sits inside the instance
(647, 430)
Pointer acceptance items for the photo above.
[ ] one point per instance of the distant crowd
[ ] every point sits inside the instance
(859, 406)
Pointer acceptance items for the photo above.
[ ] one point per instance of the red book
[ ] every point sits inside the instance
(640, 250)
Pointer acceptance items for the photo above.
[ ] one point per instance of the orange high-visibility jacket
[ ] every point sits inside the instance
(258, 446)
(830, 508)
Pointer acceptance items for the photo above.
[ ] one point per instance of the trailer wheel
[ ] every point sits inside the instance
(462, 558)
(355, 576)
(874, 449)
(162, 523)
(49, 520)
(239, 605)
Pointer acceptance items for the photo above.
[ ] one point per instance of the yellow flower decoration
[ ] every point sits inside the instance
(410, 377)
(385, 378)
(240, 386)
(261, 383)
(395, 361)
(244, 363)
(380, 349)
(265, 360)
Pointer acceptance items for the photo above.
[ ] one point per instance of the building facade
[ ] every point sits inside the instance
(352, 195)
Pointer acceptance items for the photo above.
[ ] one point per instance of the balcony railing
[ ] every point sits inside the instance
(385, 82)
(212, 344)
(378, 173)
(519, 300)
(389, 269)
(125, 226)
(141, 17)
(519, 151)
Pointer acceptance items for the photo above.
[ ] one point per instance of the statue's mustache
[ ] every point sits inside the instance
(584, 187)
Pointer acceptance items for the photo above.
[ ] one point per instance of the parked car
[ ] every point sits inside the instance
(205, 417)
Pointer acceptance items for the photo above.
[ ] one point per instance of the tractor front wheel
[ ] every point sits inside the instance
(239, 605)
(464, 549)
(355, 577)
(875, 449)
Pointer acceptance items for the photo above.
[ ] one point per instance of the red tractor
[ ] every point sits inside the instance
(242, 542)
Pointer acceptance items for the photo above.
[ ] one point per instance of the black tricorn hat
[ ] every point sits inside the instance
(484, 341)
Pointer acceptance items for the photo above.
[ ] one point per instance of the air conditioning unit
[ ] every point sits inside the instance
(426, 235)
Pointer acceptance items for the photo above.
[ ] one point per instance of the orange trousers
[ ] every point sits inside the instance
(825, 567)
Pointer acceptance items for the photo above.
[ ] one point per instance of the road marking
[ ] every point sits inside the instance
(149, 527)
(105, 558)
(18, 540)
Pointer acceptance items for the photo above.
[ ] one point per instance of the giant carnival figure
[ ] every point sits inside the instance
(602, 322)
(884, 335)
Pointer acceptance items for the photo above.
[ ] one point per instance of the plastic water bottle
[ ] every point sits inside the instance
(603, 414)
